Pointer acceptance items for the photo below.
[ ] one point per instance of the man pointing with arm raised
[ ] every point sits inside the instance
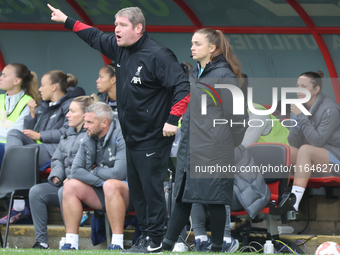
(152, 93)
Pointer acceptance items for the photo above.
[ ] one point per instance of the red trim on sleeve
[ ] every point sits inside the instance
(180, 107)
(80, 26)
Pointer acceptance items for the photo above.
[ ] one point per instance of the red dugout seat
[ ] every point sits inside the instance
(44, 174)
(318, 182)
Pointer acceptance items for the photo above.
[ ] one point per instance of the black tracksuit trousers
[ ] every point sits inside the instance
(146, 170)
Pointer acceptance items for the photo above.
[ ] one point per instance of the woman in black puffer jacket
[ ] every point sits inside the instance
(208, 144)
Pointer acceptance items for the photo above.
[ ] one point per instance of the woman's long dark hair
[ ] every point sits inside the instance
(223, 47)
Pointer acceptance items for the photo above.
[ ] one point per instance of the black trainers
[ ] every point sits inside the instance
(145, 245)
(152, 247)
(138, 247)
(286, 204)
(37, 245)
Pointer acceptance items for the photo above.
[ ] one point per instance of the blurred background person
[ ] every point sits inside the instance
(45, 124)
(21, 85)
(106, 85)
(315, 140)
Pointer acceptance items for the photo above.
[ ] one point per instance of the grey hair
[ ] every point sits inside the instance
(134, 14)
(101, 110)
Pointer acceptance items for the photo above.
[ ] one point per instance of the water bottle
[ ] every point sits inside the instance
(268, 247)
(62, 242)
(285, 229)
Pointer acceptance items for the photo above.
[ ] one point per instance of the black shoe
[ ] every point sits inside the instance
(37, 245)
(152, 247)
(145, 245)
(286, 204)
(138, 247)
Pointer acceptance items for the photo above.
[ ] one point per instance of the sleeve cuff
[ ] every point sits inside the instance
(69, 23)
(301, 118)
(94, 171)
(101, 185)
(41, 138)
(173, 120)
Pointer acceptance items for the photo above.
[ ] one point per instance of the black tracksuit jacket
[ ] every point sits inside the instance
(151, 86)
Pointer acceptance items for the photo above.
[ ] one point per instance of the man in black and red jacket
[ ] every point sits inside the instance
(152, 94)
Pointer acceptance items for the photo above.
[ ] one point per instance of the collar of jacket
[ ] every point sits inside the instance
(317, 103)
(139, 44)
(73, 131)
(220, 61)
(71, 92)
(81, 130)
(57, 104)
(110, 131)
(46, 104)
